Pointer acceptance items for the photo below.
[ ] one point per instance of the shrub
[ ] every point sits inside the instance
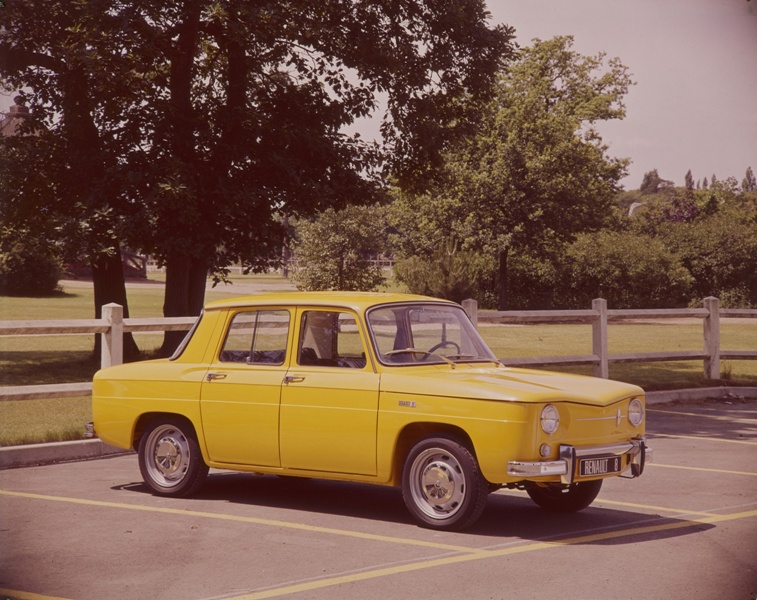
(626, 269)
(453, 275)
(29, 265)
(334, 251)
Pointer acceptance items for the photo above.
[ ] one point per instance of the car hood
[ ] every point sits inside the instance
(506, 384)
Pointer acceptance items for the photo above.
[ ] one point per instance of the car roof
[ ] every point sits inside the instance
(358, 301)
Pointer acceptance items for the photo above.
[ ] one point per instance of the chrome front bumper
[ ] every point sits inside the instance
(636, 451)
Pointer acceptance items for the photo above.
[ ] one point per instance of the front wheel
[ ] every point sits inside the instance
(442, 485)
(565, 498)
(170, 459)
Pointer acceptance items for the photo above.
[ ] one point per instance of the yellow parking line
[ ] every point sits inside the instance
(706, 416)
(700, 437)
(429, 564)
(676, 511)
(466, 554)
(254, 520)
(702, 469)
(19, 595)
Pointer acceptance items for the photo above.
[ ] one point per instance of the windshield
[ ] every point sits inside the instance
(418, 333)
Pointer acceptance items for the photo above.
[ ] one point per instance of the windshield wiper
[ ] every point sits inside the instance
(405, 351)
(496, 361)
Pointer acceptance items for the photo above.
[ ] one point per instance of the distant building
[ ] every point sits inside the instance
(13, 118)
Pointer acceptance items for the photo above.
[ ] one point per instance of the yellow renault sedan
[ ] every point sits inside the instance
(390, 389)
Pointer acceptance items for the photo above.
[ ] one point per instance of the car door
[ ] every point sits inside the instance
(329, 400)
(242, 390)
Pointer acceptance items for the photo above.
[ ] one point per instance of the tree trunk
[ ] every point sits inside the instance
(184, 296)
(502, 281)
(109, 286)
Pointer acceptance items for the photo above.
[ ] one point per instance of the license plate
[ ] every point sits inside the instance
(599, 465)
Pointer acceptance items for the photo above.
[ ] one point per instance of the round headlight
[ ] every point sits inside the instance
(550, 419)
(635, 412)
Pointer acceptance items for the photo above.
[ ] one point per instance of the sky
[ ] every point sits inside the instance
(694, 105)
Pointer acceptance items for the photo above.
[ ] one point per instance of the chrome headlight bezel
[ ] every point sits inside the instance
(550, 419)
(635, 412)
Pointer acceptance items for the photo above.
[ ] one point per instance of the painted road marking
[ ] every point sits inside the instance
(675, 511)
(429, 564)
(242, 519)
(465, 554)
(18, 595)
(705, 416)
(599, 501)
(702, 469)
(700, 437)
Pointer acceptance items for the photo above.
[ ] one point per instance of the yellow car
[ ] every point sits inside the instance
(391, 389)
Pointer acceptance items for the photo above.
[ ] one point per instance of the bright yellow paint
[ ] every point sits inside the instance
(291, 416)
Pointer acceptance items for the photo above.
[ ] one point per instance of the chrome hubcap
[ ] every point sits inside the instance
(170, 454)
(438, 483)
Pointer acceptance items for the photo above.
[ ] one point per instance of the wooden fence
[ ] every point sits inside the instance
(112, 326)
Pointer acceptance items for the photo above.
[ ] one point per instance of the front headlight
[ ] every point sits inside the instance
(635, 412)
(550, 419)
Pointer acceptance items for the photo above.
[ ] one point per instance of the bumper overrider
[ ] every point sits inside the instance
(588, 462)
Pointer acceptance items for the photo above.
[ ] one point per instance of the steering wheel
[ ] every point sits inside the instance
(441, 345)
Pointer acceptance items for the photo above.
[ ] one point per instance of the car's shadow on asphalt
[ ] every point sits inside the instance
(506, 515)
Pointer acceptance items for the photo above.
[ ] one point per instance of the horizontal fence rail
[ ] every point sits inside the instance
(112, 327)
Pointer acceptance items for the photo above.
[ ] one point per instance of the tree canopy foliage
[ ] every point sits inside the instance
(188, 128)
(337, 250)
(536, 173)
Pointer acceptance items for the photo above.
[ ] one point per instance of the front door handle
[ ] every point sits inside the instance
(213, 376)
(293, 379)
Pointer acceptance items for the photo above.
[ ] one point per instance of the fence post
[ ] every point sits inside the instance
(599, 338)
(471, 307)
(113, 339)
(712, 338)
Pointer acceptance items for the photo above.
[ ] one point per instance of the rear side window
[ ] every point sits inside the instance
(257, 337)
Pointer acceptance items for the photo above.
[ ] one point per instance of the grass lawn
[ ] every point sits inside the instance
(69, 358)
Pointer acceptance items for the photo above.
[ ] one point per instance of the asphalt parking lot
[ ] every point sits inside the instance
(686, 529)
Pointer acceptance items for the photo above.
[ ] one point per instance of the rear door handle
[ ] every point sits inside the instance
(293, 379)
(213, 376)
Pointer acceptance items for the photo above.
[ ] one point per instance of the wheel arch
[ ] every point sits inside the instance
(412, 432)
(145, 419)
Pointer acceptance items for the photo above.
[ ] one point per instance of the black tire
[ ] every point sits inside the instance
(565, 498)
(170, 459)
(442, 484)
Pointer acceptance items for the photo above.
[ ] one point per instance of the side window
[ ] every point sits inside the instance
(257, 337)
(330, 339)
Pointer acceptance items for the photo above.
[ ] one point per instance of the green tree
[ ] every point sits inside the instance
(653, 183)
(536, 173)
(689, 179)
(720, 252)
(220, 117)
(68, 58)
(749, 183)
(29, 264)
(337, 250)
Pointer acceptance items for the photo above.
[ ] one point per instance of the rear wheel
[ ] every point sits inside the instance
(442, 485)
(170, 459)
(565, 498)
